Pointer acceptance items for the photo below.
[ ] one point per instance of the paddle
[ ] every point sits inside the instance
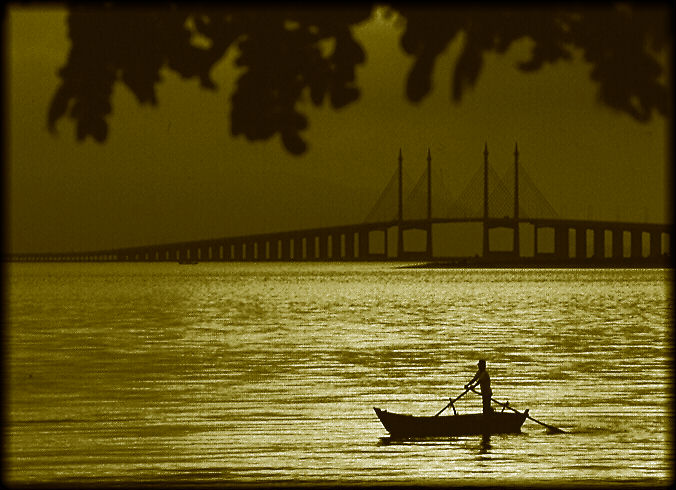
(551, 428)
(452, 402)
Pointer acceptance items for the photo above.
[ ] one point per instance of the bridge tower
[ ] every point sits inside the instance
(420, 223)
(516, 251)
(429, 204)
(510, 223)
(485, 220)
(400, 216)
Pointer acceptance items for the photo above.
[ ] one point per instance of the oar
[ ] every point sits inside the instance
(552, 429)
(452, 402)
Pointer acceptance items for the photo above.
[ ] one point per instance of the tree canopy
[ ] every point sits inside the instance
(286, 52)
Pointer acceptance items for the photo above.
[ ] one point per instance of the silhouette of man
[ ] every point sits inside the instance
(484, 380)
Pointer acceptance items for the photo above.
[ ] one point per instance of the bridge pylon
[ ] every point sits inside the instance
(428, 250)
(515, 247)
(513, 223)
(424, 224)
(400, 215)
(486, 248)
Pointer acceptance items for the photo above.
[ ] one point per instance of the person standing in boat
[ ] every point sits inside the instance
(484, 381)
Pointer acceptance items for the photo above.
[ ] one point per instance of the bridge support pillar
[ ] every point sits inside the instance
(323, 247)
(335, 246)
(286, 249)
(310, 249)
(655, 244)
(386, 253)
(618, 245)
(561, 242)
(535, 239)
(599, 243)
(428, 250)
(273, 246)
(636, 244)
(363, 238)
(297, 248)
(349, 245)
(400, 242)
(580, 243)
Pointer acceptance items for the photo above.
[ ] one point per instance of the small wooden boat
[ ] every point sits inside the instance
(399, 425)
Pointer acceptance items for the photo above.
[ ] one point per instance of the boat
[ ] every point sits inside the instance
(400, 425)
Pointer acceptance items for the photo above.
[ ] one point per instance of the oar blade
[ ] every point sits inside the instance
(550, 428)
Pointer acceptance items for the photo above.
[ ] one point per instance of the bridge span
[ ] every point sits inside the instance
(575, 241)
(355, 243)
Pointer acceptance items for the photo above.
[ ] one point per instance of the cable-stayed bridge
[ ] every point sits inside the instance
(490, 201)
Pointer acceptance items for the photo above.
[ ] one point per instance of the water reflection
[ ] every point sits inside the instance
(483, 448)
(409, 441)
(485, 445)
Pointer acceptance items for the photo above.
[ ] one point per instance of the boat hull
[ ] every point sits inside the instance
(400, 425)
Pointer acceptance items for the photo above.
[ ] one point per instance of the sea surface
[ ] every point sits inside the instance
(266, 373)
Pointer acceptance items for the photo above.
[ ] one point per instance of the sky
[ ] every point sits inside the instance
(174, 173)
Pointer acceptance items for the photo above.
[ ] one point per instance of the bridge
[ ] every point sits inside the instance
(494, 206)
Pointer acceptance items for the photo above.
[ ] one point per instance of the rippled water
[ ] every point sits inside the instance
(235, 373)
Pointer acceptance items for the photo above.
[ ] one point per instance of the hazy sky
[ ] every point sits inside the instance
(174, 173)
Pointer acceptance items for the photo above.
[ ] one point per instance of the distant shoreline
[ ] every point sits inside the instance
(543, 263)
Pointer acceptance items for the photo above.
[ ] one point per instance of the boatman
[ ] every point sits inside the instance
(484, 380)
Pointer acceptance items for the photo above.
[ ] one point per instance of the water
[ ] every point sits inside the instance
(267, 373)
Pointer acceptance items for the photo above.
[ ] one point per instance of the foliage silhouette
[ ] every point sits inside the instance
(288, 52)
